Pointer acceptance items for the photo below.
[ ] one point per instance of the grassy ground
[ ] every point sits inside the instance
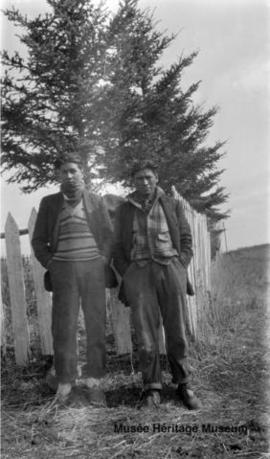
(231, 369)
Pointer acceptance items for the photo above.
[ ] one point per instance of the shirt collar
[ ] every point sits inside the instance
(67, 201)
(132, 197)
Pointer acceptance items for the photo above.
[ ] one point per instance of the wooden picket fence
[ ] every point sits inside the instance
(119, 315)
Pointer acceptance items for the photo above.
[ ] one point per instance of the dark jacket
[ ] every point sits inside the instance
(179, 231)
(46, 231)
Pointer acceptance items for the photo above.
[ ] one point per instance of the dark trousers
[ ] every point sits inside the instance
(75, 282)
(150, 290)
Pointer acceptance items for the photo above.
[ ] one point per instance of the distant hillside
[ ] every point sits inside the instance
(262, 251)
(242, 275)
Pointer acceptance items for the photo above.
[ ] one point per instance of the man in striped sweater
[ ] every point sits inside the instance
(72, 240)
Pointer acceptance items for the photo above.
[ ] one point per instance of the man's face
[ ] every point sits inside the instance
(70, 173)
(145, 182)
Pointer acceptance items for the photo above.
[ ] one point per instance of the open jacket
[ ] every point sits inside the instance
(46, 231)
(178, 227)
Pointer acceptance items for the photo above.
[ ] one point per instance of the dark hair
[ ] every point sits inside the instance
(68, 158)
(141, 165)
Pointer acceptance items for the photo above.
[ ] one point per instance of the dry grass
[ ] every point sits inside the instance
(230, 379)
(231, 363)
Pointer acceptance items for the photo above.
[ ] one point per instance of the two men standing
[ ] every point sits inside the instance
(152, 248)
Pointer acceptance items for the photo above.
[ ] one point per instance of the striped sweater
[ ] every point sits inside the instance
(75, 241)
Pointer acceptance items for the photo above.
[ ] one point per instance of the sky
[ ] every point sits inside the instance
(233, 65)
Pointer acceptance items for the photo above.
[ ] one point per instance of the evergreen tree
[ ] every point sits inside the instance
(151, 116)
(52, 103)
(95, 80)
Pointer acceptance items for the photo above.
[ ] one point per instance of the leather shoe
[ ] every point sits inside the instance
(63, 392)
(97, 396)
(152, 399)
(188, 398)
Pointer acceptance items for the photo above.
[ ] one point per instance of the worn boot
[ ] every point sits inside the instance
(188, 398)
(52, 380)
(96, 393)
(63, 392)
(151, 399)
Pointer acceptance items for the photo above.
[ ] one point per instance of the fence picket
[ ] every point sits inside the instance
(121, 325)
(44, 302)
(17, 293)
(198, 271)
(3, 332)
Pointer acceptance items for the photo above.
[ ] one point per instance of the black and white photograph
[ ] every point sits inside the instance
(135, 230)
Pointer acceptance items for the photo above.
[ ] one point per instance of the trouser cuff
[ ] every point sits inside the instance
(152, 386)
(180, 380)
(92, 382)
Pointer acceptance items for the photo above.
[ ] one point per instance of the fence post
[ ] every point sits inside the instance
(2, 318)
(17, 293)
(190, 312)
(120, 324)
(44, 307)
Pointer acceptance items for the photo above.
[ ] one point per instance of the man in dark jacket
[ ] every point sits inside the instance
(72, 239)
(153, 247)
